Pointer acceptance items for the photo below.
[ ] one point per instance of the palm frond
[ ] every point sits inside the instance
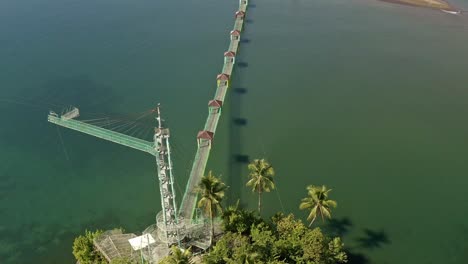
(313, 213)
(330, 203)
(325, 212)
(317, 202)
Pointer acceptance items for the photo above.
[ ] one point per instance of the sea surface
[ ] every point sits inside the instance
(366, 97)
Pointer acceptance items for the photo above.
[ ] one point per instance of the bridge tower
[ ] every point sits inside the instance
(170, 227)
(167, 219)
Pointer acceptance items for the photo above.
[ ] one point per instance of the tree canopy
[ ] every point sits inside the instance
(211, 190)
(317, 203)
(178, 256)
(261, 178)
(282, 240)
(84, 251)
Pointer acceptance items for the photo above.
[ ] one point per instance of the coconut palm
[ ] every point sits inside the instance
(261, 178)
(211, 190)
(178, 256)
(317, 202)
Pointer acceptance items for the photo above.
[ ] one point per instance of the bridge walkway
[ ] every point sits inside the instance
(189, 199)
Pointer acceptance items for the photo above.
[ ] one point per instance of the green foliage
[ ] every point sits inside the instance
(239, 220)
(123, 260)
(261, 178)
(230, 249)
(295, 243)
(285, 240)
(317, 202)
(177, 256)
(211, 190)
(84, 251)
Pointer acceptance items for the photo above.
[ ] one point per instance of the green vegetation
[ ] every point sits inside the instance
(211, 190)
(84, 250)
(247, 237)
(261, 178)
(239, 221)
(317, 202)
(281, 240)
(250, 239)
(177, 256)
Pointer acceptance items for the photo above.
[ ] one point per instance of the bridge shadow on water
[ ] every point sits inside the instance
(242, 64)
(238, 160)
(240, 90)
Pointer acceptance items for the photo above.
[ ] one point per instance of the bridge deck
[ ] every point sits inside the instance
(189, 199)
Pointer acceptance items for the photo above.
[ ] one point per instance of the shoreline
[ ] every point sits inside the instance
(439, 4)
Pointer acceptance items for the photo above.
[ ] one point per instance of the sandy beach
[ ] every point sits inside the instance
(435, 4)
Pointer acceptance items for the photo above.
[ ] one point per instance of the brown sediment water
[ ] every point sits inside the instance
(434, 4)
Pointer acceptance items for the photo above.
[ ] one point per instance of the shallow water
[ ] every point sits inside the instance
(366, 97)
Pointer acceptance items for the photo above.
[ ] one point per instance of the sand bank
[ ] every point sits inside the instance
(435, 4)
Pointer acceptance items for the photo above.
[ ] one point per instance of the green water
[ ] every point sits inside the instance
(366, 97)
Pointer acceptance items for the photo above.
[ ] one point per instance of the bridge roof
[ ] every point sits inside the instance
(205, 134)
(229, 54)
(240, 14)
(215, 103)
(235, 33)
(222, 76)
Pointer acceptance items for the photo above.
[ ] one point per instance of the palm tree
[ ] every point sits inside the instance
(178, 256)
(261, 178)
(317, 202)
(211, 190)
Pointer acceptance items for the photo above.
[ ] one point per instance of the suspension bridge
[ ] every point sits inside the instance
(174, 225)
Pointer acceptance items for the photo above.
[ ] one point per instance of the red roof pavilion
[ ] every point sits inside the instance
(239, 14)
(204, 134)
(215, 103)
(229, 54)
(222, 77)
(235, 33)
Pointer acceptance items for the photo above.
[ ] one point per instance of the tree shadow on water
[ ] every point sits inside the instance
(338, 227)
(357, 258)
(373, 239)
(369, 240)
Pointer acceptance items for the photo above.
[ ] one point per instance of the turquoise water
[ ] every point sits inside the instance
(366, 97)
